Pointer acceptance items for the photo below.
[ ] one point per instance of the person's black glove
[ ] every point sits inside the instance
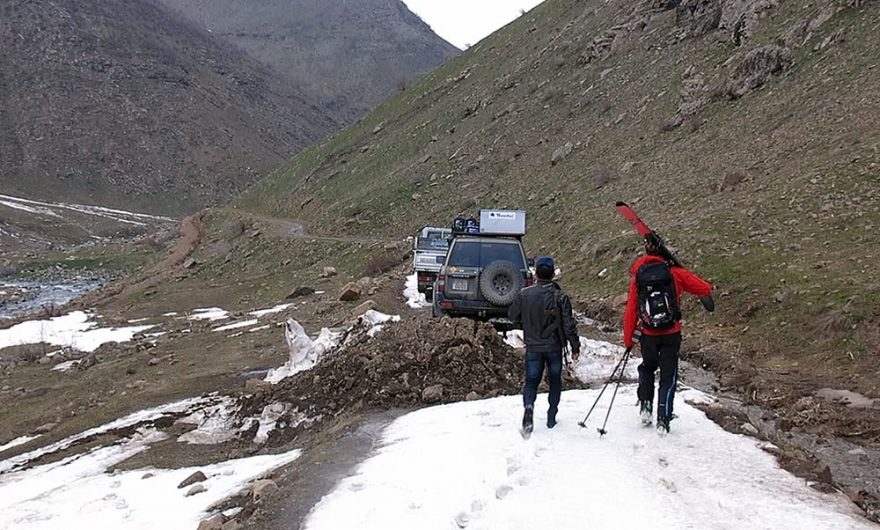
(708, 303)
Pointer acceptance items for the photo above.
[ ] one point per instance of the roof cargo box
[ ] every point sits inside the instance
(503, 222)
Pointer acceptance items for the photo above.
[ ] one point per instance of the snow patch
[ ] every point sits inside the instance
(304, 352)
(483, 475)
(66, 366)
(209, 313)
(30, 209)
(271, 311)
(21, 440)
(269, 419)
(74, 330)
(215, 424)
(376, 320)
(78, 490)
(514, 339)
(46, 208)
(259, 328)
(414, 298)
(135, 418)
(237, 325)
(598, 359)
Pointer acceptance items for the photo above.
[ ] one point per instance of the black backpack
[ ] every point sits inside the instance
(658, 301)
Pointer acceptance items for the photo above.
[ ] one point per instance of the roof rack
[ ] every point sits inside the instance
(492, 223)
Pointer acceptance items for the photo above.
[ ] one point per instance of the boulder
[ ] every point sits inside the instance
(214, 522)
(195, 490)
(198, 476)
(232, 525)
(560, 153)
(363, 308)
(350, 292)
(256, 385)
(329, 272)
(432, 394)
(472, 396)
(756, 68)
(263, 489)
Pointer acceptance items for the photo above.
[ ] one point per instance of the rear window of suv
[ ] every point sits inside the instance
(482, 253)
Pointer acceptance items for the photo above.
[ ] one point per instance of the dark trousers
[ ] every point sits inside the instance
(535, 371)
(660, 351)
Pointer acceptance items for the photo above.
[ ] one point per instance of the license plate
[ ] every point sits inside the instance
(459, 285)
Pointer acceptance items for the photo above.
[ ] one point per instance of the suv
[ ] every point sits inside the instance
(429, 253)
(481, 277)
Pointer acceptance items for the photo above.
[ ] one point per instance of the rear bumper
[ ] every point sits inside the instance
(473, 308)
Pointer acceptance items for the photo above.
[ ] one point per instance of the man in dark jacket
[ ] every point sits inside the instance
(660, 347)
(543, 312)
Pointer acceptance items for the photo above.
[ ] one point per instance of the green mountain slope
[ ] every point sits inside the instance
(744, 131)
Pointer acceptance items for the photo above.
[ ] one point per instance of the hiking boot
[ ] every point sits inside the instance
(646, 412)
(663, 424)
(528, 423)
(551, 418)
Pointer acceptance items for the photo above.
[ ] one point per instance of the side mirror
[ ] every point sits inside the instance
(530, 262)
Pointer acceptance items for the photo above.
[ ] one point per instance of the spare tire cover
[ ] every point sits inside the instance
(500, 282)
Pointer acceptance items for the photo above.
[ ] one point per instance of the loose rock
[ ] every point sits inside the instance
(350, 292)
(562, 152)
(432, 394)
(263, 489)
(198, 476)
(195, 490)
(213, 523)
(363, 308)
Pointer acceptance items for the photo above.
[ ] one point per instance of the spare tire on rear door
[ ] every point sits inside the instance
(500, 282)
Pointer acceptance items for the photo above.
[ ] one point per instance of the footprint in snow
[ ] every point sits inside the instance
(502, 491)
(668, 484)
(513, 465)
(357, 486)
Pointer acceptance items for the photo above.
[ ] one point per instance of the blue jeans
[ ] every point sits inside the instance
(535, 371)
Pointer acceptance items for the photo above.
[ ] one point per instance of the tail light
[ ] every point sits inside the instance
(530, 282)
(441, 284)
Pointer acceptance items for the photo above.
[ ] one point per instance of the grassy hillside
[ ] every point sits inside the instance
(745, 132)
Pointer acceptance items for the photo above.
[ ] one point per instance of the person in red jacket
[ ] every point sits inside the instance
(661, 338)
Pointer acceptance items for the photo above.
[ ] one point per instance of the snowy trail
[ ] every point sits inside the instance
(465, 466)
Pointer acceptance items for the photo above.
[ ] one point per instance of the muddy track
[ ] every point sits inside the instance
(289, 228)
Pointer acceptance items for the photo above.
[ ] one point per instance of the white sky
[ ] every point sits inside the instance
(464, 22)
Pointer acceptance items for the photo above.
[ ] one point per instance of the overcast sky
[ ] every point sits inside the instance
(464, 22)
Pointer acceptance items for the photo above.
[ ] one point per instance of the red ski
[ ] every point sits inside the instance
(654, 237)
(646, 232)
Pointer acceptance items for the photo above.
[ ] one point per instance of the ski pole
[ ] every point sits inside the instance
(602, 431)
(608, 382)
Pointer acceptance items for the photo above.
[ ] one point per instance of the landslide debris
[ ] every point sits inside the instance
(415, 361)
